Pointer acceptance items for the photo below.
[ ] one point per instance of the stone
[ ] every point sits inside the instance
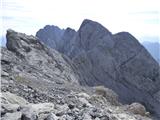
(51, 116)
(3, 73)
(29, 114)
(13, 99)
(85, 95)
(110, 95)
(71, 106)
(10, 107)
(87, 117)
(85, 102)
(41, 108)
(137, 108)
(12, 116)
(61, 110)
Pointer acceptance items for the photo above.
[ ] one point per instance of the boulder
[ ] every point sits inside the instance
(137, 108)
(9, 98)
(12, 116)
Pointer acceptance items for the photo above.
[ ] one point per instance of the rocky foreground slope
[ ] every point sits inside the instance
(117, 61)
(39, 83)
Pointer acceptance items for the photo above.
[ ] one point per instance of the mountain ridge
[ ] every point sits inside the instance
(117, 61)
(39, 83)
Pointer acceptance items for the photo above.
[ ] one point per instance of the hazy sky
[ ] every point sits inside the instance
(139, 17)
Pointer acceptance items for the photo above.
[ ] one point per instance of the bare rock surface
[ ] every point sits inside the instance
(77, 110)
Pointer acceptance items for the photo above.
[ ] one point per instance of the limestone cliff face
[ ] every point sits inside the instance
(117, 61)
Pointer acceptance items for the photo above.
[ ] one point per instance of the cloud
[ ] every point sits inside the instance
(138, 17)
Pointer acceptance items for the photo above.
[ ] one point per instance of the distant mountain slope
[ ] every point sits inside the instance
(117, 61)
(153, 48)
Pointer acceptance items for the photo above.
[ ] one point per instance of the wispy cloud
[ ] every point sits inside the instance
(136, 16)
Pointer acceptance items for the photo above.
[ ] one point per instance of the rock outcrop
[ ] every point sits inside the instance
(77, 107)
(51, 32)
(117, 61)
(27, 61)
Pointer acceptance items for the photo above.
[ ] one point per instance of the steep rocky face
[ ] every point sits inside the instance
(51, 35)
(39, 83)
(89, 35)
(61, 40)
(117, 61)
(67, 37)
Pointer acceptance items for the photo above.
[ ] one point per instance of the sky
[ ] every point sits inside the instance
(139, 17)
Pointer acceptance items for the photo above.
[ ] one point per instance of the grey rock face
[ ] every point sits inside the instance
(117, 61)
(51, 35)
(57, 38)
(68, 37)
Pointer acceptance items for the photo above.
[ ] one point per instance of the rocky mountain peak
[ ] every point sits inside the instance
(90, 34)
(117, 61)
(68, 29)
(89, 24)
(50, 32)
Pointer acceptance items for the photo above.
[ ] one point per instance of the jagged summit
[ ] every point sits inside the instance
(92, 24)
(51, 32)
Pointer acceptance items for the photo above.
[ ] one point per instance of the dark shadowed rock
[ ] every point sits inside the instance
(51, 35)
